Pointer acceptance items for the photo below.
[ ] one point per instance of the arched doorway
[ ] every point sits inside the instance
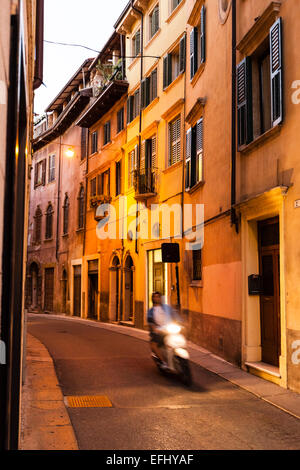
(114, 291)
(33, 290)
(64, 287)
(128, 289)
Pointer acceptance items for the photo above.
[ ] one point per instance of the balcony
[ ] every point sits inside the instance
(144, 184)
(96, 201)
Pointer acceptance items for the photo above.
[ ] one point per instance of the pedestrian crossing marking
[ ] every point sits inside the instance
(88, 401)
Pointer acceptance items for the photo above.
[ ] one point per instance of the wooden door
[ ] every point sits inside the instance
(270, 298)
(77, 291)
(93, 295)
(158, 278)
(49, 289)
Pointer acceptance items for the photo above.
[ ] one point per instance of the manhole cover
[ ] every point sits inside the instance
(88, 402)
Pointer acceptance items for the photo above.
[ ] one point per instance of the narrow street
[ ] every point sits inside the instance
(150, 411)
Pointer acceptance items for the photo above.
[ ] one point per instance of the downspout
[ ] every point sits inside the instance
(234, 219)
(58, 199)
(140, 124)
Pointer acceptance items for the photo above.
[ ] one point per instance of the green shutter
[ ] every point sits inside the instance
(276, 72)
(244, 102)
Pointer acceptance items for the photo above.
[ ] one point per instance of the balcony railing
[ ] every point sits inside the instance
(145, 183)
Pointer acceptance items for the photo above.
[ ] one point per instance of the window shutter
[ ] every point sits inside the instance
(194, 51)
(188, 159)
(276, 72)
(199, 151)
(44, 164)
(182, 54)
(130, 109)
(169, 69)
(108, 131)
(153, 85)
(137, 42)
(244, 102)
(36, 175)
(143, 155)
(165, 72)
(153, 153)
(156, 18)
(203, 35)
(84, 132)
(143, 93)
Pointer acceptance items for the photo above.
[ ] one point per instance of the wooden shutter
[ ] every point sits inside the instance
(100, 184)
(130, 102)
(165, 72)
(153, 152)
(203, 35)
(182, 53)
(145, 92)
(44, 165)
(188, 159)
(199, 151)
(137, 43)
(276, 72)
(244, 102)
(194, 51)
(153, 85)
(143, 155)
(84, 134)
(36, 174)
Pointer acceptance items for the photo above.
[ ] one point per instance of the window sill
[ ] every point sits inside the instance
(172, 167)
(134, 61)
(259, 141)
(65, 235)
(198, 74)
(195, 187)
(48, 240)
(175, 11)
(106, 145)
(120, 132)
(152, 39)
(80, 230)
(196, 284)
(175, 81)
(134, 121)
(150, 105)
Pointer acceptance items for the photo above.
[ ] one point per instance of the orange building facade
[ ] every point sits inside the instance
(190, 104)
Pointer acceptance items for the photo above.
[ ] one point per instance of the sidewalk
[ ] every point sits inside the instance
(46, 424)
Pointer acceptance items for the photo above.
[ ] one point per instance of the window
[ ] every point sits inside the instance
(174, 141)
(120, 120)
(133, 106)
(136, 44)
(103, 184)
(81, 208)
(49, 222)
(194, 155)
(38, 225)
(132, 165)
(51, 176)
(259, 88)
(106, 129)
(66, 215)
(118, 177)
(154, 21)
(40, 173)
(148, 154)
(94, 142)
(174, 63)
(93, 187)
(149, 89)
(197, 265)
(174, 4)
(84, 138)
(197, 44)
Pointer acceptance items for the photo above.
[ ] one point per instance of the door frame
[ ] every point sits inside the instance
(75, 262)
(265, 206)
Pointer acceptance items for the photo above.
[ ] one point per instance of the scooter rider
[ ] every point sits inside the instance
(159, 315)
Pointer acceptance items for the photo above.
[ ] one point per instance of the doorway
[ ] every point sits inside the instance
(157, 276)
(93, 280)
(128, 289)
(64, 284)
(49, 289)
(77, 291)
(269, 265)
(114, 291)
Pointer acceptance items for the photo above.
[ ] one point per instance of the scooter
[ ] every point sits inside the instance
(173, 356)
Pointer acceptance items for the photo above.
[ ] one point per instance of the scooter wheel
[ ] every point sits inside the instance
(185, 372)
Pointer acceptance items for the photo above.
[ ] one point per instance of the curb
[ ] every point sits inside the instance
(45, 423)
(284, 399)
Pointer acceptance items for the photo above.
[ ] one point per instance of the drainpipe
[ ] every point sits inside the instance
(58, 199)
(234, 219)
(140, 125)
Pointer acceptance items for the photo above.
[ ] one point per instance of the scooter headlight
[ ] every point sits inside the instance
(173, 329)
